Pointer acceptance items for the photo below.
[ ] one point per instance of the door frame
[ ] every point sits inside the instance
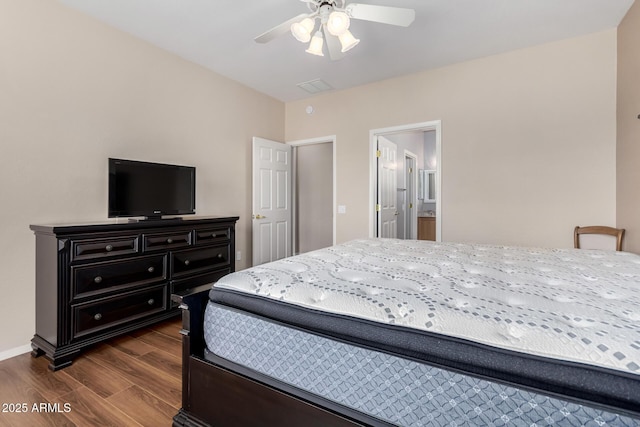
(310, 141)
(434, 125)
(411, 196)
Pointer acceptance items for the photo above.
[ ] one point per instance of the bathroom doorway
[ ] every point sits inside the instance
(417, 211)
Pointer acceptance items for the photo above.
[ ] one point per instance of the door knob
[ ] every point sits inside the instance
(259, 217)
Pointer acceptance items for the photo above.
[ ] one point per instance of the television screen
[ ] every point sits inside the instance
(150, 189)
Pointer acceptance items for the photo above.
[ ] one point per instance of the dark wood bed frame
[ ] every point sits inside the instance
(224, 394)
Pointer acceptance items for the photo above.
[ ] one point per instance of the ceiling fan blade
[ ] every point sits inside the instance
(333, 45)
(383, 14)
(280, 29)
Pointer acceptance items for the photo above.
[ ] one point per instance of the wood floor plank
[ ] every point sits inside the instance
(169, 363)
(101, 381)
(88, 409)
(15, 391)
(163, 385)
(133, 368)
(35, 372)
(4, 420)
(131, 345)
(143, 406)
(162, 342)
(36, 419)
(170, 328)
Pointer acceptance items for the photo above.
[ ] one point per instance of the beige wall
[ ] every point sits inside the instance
(528, 140)
(628, 210)
(528, 136)
(74, 92)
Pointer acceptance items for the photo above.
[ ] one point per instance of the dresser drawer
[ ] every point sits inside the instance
(167, 241)
(193, 261)
(101, 248)
(110, 312)
(213, 235)
(94, 279)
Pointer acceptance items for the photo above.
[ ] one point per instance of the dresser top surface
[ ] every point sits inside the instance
(129, 224)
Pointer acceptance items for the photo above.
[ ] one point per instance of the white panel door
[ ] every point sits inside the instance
(387, 189)
(271, 200)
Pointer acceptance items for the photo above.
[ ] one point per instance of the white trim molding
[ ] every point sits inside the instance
(13, 352)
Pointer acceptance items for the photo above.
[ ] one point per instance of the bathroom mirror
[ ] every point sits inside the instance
(427, 185)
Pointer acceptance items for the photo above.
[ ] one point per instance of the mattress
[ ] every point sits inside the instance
(557, 320)
(392, 389)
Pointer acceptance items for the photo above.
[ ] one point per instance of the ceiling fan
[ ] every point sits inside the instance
(334, 17)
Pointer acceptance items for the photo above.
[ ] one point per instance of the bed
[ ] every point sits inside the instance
(413, 333)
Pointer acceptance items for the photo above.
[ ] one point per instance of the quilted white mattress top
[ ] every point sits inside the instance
(571, 304)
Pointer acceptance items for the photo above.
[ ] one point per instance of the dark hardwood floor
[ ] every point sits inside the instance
(134, 380)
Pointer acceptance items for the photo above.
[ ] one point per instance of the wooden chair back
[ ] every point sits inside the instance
(618, 233)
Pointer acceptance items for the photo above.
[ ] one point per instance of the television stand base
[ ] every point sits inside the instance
(156, 218)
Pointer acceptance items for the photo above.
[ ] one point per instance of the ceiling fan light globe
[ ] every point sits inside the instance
(347, 41)
(316, 45)
(338, 23)
(302, 30)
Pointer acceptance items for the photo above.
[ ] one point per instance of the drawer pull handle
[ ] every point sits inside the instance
(219, 255)
(186, 262)
(97, 279)
(108, 248)
(151, 301)
(97, 316)
(169, 240)
(151, 269)
(214, 235)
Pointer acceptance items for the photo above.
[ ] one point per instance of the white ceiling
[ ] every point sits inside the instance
(218, 34)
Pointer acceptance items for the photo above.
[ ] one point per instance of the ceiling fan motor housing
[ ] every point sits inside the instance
(315, 5)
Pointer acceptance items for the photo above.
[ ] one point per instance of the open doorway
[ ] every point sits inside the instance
(406, 182)
(280, 219)
(408, 198)
(313, 194)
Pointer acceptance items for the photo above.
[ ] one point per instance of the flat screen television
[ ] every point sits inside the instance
(150, 190)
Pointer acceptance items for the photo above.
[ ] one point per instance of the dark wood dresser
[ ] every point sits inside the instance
(97, 281)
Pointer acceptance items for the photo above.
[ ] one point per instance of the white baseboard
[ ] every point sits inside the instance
(12, 352)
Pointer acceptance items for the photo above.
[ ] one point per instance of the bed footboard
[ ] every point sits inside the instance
(213, 395)
(192, 303)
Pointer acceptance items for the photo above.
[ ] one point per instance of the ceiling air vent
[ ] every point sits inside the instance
(314, 86)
